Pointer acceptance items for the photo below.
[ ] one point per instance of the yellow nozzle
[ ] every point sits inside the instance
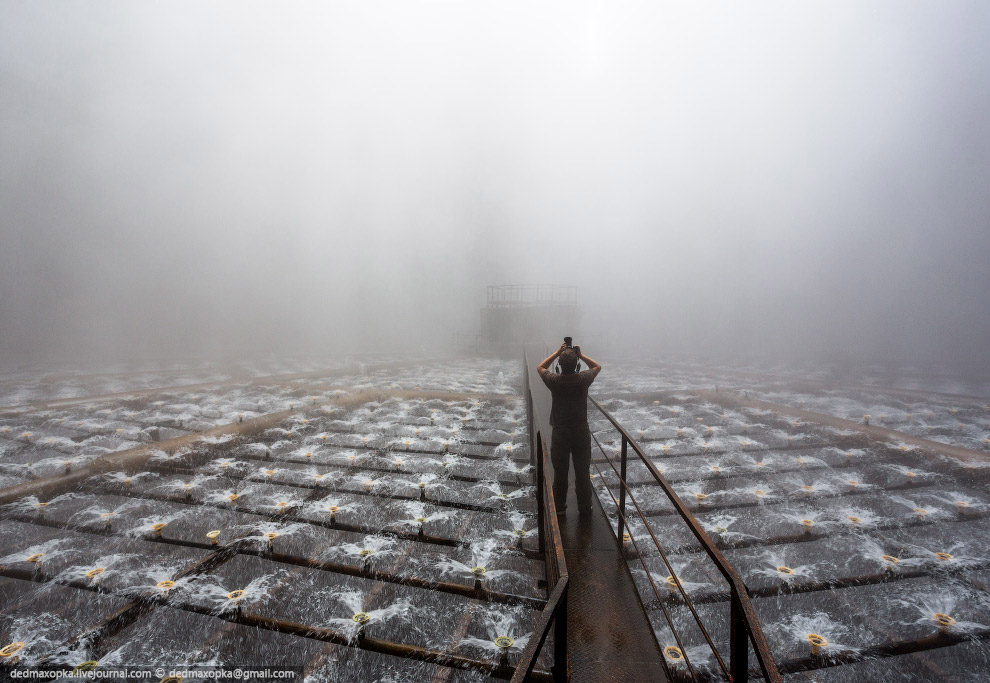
(504, 642)
(944, 557)
(361, 618)
(93, 573)
(235, 595)
(214, 536)
(233, 497)
(478, 571)
(165, 585)
(8, 650)
(366, 552)
(854, 520)
(35, 558)
(890, 558)
(944, 621)
(672, 653)
(787, 571)
(818, 643)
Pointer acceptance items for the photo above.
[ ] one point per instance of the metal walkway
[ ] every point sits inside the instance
(608, 635)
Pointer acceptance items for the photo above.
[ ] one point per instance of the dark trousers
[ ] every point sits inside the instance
(566, 444)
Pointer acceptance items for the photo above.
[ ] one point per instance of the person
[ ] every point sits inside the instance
(570, 439)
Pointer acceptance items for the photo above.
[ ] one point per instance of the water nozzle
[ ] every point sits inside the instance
(817, 642)
(943, 621)
(10, 650)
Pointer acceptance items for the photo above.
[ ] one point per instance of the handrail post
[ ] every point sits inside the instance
(738, 640)
(622, 491)
(560, 664)
(540, 503)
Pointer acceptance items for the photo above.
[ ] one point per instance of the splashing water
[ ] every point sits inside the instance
(353, 625)
(943, 610)
(504, 629)
(483, 554)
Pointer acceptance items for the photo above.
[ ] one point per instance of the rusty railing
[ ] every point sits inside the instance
(744, 626)
(554, 615)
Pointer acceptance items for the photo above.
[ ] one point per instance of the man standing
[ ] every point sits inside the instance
(571, 439)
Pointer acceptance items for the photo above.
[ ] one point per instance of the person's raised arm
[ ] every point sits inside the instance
(545, 365)
(593, 365)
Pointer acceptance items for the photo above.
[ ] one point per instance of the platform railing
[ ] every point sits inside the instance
(744, 625)
(554, 615)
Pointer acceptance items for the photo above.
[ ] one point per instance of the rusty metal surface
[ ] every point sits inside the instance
(608, 634)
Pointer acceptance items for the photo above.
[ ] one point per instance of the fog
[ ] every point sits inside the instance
(794, 180)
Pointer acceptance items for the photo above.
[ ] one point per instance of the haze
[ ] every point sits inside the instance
(801, 180)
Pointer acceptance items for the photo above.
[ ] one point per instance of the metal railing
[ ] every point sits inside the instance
(744, 626)
(554, 615)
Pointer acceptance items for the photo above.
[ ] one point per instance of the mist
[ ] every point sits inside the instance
(779, 180)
